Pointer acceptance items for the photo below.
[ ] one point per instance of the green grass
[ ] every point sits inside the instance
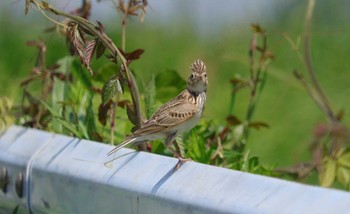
(284, 104)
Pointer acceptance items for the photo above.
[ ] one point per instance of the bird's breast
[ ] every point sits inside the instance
(189, 124)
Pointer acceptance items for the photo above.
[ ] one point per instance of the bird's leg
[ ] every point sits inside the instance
(178, 156)
(177, 153)
(177, 147)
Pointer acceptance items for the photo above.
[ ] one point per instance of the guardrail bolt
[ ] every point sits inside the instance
(4, 179)
(19, 185)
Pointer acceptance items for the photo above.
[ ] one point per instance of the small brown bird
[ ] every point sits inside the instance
(177, 115)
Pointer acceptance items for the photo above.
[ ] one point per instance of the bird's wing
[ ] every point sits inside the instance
(176, 111)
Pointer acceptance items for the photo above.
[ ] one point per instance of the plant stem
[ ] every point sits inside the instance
(123, 31)
(255, 81)
(112, 116)
(307, 59)
(107, 42)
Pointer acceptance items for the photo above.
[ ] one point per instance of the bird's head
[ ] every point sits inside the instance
(198, 80)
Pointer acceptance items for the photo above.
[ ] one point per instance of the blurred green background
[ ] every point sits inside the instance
(174, 34)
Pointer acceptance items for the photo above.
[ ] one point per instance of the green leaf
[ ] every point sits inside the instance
(169, 84)
(245, 161)
(105, 72)
(111, 87)
(52, 111)
(69, 126)
(327, 175)
(90, 118)
(343, 175)
(196, 145)
(83, 130)
(81, 74)
(60, 92)
(150, 98)
(253, 163)
(158, 147)
(16, 210)
(238, 132)
(344, 160)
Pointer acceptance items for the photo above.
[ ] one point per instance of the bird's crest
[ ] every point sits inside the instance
(198, 66)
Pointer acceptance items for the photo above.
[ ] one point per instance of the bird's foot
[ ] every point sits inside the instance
(181, 161)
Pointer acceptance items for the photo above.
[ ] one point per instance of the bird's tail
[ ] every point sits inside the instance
(123, 144)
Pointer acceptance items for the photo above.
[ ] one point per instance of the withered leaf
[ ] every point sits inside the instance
(28, 80)
(30, 97)
(83, 11)
(131, 112)
(50, 29)
(85, 31)
(122, 7)
(123, 103)
(29, 123)
(96, 90)
(341, 113)
(84, 49)
(103, 112)
(224, 133)
(258, 124)
(101, 28)
(298, 75)
(32, 43)
(300, 170)
(89, 51)
(59, 75)
(27, 7)
(45, 5)
(132, 55)
(239, 87)
(77, 40)
(100, 49)
(236, 80)
(233, 120)
(96, 136)
(269, 55)
(321, 130)
(54, 67)
(256, 28)
(36, 71)
(113, 58)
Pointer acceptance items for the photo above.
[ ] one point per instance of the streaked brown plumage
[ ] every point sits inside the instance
(177, 115)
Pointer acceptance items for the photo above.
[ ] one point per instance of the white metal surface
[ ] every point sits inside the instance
(67, 175)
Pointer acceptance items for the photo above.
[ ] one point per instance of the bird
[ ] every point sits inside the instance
(176, 116)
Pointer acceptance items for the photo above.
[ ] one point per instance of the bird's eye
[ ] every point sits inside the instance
(205, 75)
(192, 76)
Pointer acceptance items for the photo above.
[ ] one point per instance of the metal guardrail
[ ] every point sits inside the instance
(51, 173)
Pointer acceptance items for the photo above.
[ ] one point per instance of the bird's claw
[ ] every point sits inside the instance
(181, 161)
